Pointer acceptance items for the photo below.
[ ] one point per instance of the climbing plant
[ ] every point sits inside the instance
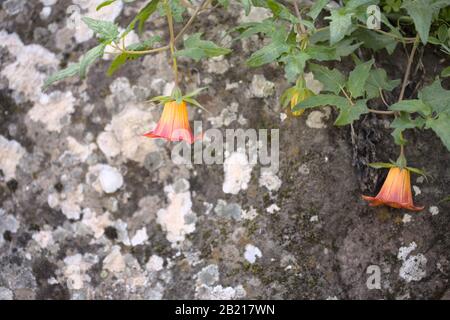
(305, 38)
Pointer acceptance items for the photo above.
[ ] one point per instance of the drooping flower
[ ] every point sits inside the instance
(298, 96)
(396, 191)
(173, 124)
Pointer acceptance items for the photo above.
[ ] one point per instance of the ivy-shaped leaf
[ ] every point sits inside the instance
(90, 57)
(70, 71)
(411, 106)
(340, 25)
(332, 79)
(441, 126)
(106, 30)
(294, 64)
(267, 54)
(197, 49)
(358, 77)
(377, 80)
(143, 16)
(436, 97)
(349, 113)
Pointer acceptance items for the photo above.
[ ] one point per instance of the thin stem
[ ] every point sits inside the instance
(347, 96)
(382, 98)
(299, 16)
(381, 112)
(201, 6)
(408, 69)
(172, 41)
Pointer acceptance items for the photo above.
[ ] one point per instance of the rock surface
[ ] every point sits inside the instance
(90, 209)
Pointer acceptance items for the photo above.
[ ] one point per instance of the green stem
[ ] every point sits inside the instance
(172, 41)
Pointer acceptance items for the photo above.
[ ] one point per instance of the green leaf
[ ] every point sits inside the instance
(436, 97)
(332, 80)
(316, 8)
(376, 41)
(340, 25)
(70, 71)
(381, 165)
(353, 4)
(397, 134)
(377, 80)
(90, 57)
(278, 10)
(404, 121)
(422, 11)
(106, 30)
(197, 49)
(358, 77)
(104, 4)
(294, 64)
(441, 126)
(349, 113)
(411, 106)
(143, 16)
(327, 53)
(122, 58)
(417, 171)
(267, 54)
(321, 100)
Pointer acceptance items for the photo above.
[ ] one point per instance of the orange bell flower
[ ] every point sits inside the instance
(173, 124)
(396, 191)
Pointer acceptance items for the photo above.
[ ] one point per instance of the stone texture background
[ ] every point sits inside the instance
(89, 209)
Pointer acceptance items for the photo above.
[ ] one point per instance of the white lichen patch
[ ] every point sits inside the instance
(314, 85)
(177, 220)
(140, 237)
(249, 214)
(316, 118)
(110, 179)
(220, 293)
(53, 110)
(125, 133)
(75, 270)
(155, 264)
(78, 150)
(43, 238)
(251, 253)
(114, 261)
(413, 267)
(81, 31)
(434, 210)
(269, 180)
(238, 172)
(69, 202)
(260, 87)
(24, 75)
(417, 190)
(273, 208)
(407, 218)
(96, 223)
(11, 153)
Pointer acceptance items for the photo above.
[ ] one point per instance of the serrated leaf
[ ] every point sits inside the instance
(106, 30)
(436, 97)
(349, 113)
(316, 8)
(267, 54)
(358, 77)
(411, 106)
(376, 41)
(332, 80)
(327, 53)
(340, 25)
(377, 80)
(441, 126)
(197, 49)
(90, 57)
(105, 4)
(143, 16)
(294, 64)
(422, 11)
(404, 121)
(321, 100)
(70, 71)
